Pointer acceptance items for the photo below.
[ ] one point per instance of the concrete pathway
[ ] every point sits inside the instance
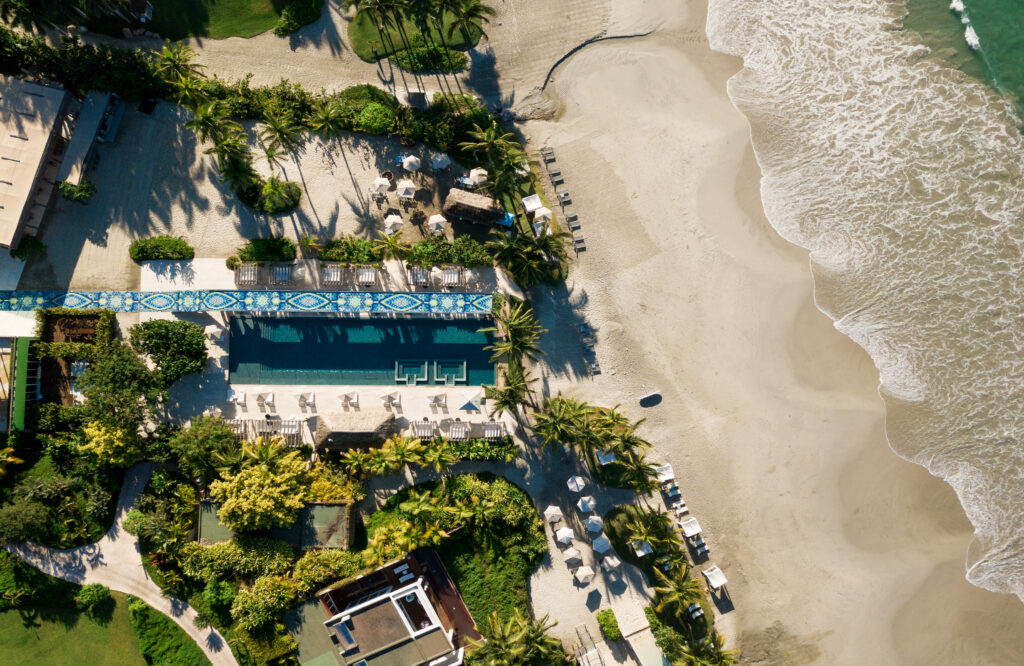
(115, 561)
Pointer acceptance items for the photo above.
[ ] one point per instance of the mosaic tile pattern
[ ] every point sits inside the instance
(251, 301)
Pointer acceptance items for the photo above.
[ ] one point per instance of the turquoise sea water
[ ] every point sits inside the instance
(1000, 27)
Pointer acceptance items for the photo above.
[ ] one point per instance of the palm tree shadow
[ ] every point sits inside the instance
(322, 32)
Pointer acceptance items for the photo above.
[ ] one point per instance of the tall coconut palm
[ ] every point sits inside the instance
(272, 153)
(211, 123)
(513, 392)
(327, 119)
(279, 129)
(190, 92)
(467, 15)
(708, 651)
(638, 473)
(493, 141)
(391, 246)
(675, 594)
(518, 641)
(7, 458)
(175, 62)
(560, 423)
(520, 332)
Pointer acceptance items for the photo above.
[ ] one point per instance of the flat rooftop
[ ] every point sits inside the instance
(28, 114)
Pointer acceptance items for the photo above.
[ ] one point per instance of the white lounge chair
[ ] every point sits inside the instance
(237, 397)
(307, 399)
(715, 578)
(350, 399)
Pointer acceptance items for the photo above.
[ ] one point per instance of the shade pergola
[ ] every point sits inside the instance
(587, 504)
(436, 223)
(532, 203)
(478, 176)
(406, 189)
(542, 214)
(552, 514)
(576, 483)
(584, 575)
(601, 545)
(440, 161)
(380, 185)
(564, 535)
(423, 429)
(411, 163)
(573, 558)
(595, 524)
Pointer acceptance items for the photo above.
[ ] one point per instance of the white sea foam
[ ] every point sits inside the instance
(971, 37)
(957, 6)
(903, 179)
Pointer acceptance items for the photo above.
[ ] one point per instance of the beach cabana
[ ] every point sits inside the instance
(471, 207)
(494, 430)
(458, 431)
(576, 483)
(393, 223)
(542, 214)
(601, 545)
(552, 514)
(584, 575)
(573, 558)
(587, 504)
(436, 224)
(440, 161)
(595, 524)
(715, 578)
(564, 535)
(419, 276)
(611, 563)
(411, 163)
(478, 176)
(641, 548)
(331, 274)
(689, 527)
(380, 186)
(406, 189)
(605, 458)
(532, 203)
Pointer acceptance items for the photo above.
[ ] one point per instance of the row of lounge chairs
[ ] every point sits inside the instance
(564, 198)
(456, 429)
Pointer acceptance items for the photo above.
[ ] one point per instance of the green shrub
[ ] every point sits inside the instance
(669, 640)
(160, 639)
(320, 567)
(376, 118)
(435, 250)
(609, 625)
(267, 249)
(233, 262)
(92, 597)
(278, 196)
(244, 556)
(160, 247)
(80, 193)
(22, 584)
(351, 250)
(481, 449)
(431, 58)
(257, 606)
(28, 247)
(177, 347)
(297, 14)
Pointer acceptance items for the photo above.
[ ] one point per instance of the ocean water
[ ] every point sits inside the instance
(904, 177)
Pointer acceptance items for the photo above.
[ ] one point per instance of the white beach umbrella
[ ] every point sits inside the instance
(478, 176)
(542, 214)
(393, 222)
(595, 524)
(552, 514)
(406, 189)
(587, 504)
(436, 223)
(380, 185)
(584, 575)
(411, 163)
(611, 563)
(576, 483)
(601, 545)
(473, 404)
(441, 161)
(564, 535)
(573, 558)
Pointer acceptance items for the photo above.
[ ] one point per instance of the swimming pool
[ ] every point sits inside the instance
(323, 350)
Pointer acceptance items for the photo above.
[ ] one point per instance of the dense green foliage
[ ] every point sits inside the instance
(278, 196)
(296, 14)
(503, 449)
(320, 567)
(161, 640)
(195, 448)
(160, 247)
(261, 604)
(92, 597)
(80, 193)
(178, 348)
(364, 34)
(431, 58)
(268, 249)
(28, 247)
(609, 625)
(435, 250)
(244, 557)
(376, 118)
(351, 250)
(261, 496)
(119, 388)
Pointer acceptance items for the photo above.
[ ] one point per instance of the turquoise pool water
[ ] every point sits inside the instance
(321, 350)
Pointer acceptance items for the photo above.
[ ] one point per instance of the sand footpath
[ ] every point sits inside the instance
(836, 550)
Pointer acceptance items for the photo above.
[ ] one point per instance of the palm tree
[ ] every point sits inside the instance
(356, 461)
(421, 503)
(175, 62)
(709, 651)
(402, 451)
(190, 92)
(210, 122)
(561, 422)
(515, 387)
(228, 459)
(280, 130)
(520, 254)
(675, 594)
(637, 473)
(520, 332)
(327, 119)
(467, 15)
(639, 530)
(7, 457)
(378, 463)
(552, 243)
(267, 453)
(518, 641)
(440, 456)
(494, 141)
(391, 246)
(310, 245)
(272, 154)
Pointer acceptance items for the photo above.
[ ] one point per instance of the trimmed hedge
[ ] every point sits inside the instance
(434, 250)
(609, 625)
(351, 250)
(431, 58)
(161, 247)
(80, 193)
(376, 118)
(481, 449)
(268, 249)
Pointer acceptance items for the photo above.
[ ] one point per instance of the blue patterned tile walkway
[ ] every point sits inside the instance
(251, 301)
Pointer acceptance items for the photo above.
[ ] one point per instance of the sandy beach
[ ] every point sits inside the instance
(837, 551)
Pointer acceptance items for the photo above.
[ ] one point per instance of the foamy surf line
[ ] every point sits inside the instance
(901, 179)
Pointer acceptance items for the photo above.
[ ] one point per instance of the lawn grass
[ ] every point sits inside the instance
(363, 35)
(216, 19)
(65, 636)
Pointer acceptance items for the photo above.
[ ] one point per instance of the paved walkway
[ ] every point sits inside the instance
(115, 561)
